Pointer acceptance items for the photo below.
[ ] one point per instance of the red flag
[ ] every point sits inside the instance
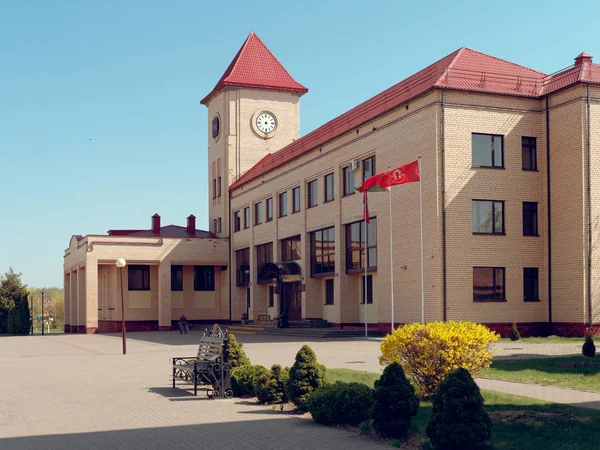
(407, 173)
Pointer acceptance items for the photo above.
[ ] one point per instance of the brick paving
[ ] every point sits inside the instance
(78, 391)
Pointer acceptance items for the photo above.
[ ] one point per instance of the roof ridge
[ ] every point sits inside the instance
(505, 61)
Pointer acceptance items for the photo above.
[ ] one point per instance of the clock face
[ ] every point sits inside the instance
(266, 123)
(216, 127)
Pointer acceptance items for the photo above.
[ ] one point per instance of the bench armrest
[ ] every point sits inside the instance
(179, 358)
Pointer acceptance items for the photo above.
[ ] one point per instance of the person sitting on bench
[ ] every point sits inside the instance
(183, 325)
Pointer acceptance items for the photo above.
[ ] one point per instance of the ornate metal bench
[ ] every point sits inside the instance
(208, 370)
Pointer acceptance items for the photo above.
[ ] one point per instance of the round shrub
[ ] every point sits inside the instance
(306, 375)
(270, 387)
(234, 352)
(588, 349)
(428, 352)
(458, 418)
(244, 379)
(340, 403)
(514, 333)
(394, 403)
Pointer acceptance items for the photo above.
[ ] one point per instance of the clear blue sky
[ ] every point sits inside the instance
(100, 121)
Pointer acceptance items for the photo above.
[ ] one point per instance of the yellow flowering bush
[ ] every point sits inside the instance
(429, 352)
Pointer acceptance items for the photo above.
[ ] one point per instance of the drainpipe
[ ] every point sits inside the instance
(589, 201)
(444, 301)
(229, 245)
(549, 202)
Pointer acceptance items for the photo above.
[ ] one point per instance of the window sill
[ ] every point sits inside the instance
(368, 303)
(530, 170)
(312, 206)
(257, 224)
(361, 270)
(204, 290)
(295, 212)
(328, 201)
(531, 235)
(283, 215)
(488, 167)
(348, 195)
(176, 290)
(490, 301)
(532, 301)
(488, 234)
(111, 309)
(269, 220)
(328, 304)
(322, 275)
(242, 285)
(139, 290)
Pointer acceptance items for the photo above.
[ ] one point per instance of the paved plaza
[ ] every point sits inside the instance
(79, 391)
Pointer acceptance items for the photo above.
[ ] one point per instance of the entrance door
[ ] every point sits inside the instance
(292, 300)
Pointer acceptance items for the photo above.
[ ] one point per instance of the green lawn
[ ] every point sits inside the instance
(519, 422)
(575, 372)
(546, 340)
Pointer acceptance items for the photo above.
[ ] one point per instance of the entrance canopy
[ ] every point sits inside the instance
(286, 272)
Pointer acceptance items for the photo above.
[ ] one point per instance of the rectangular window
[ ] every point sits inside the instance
(355, 245)
(488, 217)
(214, 188)
(269, 209)
(264, 255)
(242, 265)
(219, 225)
(487, 150)
(530, 284)
(323, 251)
(329, 187)
(530, 219)
(247, 217)
(312, 194)
(204, 278)
(219, 187)
(296, 199)
(348, 176)
(369, 290)
(528, 144)
(329, 291)
(368, 167)
(271, 296)
(177, 278)
(283, 204)
(488, 284)
(290, 249)
(139, 278)
(258, 213)
(237, 221)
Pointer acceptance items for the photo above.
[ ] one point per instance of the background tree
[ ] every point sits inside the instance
(12, 289)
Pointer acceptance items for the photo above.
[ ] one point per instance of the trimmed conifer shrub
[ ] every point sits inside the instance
(234, 352)
(270, 387)
(514, 333)
(458, 419)
(394, 403)
(306, 375)
(19, 319)
(245, 378)
(589, 348)
(340, 403)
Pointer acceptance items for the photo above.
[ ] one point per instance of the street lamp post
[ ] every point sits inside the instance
(120, 264)
(42, 313)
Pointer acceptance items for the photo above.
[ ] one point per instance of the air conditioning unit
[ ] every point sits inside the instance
(354, 165)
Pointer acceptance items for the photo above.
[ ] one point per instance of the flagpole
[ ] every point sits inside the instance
(421, 214)
(391, 261)
(366, 264)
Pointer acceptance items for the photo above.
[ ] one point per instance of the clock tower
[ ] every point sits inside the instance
(252, 111)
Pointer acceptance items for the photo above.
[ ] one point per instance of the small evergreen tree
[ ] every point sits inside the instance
(394, 403)
(19, 320)
(588, 349)
(270, 387)
(11, 290)
(458, 418)
(306, 375)
(514, 333)
(234, 353)
(340, 403)
(244, 379)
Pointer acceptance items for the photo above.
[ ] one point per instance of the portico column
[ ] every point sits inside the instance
(67, 299)
(164, 296)
(91, 297)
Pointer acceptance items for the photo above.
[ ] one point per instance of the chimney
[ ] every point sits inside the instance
(583, 58)
(156, 224)
(191, 225)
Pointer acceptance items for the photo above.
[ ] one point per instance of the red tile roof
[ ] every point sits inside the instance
(464, 70)
(172, 231)
(254, 66)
